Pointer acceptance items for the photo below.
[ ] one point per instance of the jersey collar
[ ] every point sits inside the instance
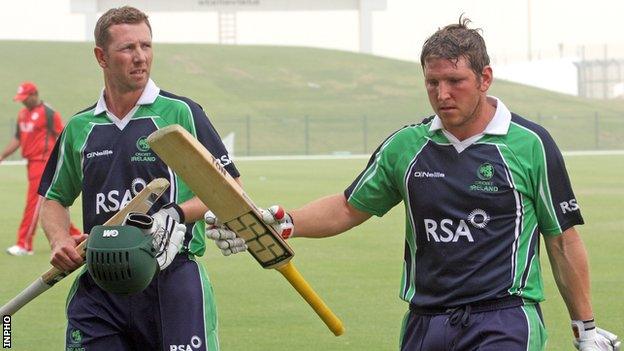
(148, 96)
(499, 125)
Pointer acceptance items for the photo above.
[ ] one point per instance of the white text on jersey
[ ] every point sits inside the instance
(569, 206)
(446, 233)
(111, 202)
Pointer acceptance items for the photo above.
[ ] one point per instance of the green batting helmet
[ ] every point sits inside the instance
(121, 259)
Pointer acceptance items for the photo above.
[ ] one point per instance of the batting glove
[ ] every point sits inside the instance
(224, 238)
(168, 232)
(280, 220)
(588, 337)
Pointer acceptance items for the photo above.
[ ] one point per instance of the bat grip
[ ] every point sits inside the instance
(305, 290)
(33, 290)
(54, 275)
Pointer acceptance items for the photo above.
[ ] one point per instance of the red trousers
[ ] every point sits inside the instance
(27, 229)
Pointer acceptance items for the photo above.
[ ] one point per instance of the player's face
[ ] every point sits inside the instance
(458, 95)
(128, 57)
(31, 101)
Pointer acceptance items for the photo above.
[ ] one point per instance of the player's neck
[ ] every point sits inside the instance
(120, 103)
(34, 105)
(482, 116)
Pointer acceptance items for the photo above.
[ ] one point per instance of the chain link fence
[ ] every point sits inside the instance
(323, 135)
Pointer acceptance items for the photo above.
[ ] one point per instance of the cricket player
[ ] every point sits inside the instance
(479, 185)
(38, 127)
(103, 155)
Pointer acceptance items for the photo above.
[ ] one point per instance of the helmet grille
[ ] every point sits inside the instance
(111, 266)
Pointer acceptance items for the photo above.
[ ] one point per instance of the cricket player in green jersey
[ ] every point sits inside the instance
(481, 186)
(102, 156)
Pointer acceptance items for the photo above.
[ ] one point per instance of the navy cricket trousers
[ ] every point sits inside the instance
(175, 312)
(518, 328)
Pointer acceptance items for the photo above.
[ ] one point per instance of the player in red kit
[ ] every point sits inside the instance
(38, 126)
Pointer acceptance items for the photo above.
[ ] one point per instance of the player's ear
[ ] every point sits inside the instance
(486, 78)
(100, 56)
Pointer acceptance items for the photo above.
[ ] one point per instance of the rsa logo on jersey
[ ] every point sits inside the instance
(196, 343)
(114, 200)
(448, 230)
(144, 154)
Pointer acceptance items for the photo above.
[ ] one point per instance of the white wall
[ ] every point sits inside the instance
(554, 74)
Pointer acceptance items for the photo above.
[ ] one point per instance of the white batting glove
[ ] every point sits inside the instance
(280, 220)
(225, 239)
(168, 232)
(588, 337)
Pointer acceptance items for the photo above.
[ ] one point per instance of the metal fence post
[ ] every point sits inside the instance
(597, 130)
(365, 132)
(306, 127)
(248, 134)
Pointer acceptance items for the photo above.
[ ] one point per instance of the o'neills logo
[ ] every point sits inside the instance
(99, 153)
(419, 174)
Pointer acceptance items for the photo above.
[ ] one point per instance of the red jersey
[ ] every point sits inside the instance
(36, 140)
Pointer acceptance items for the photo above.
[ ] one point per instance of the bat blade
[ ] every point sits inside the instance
(208, 179)
(142, 202)
(205, 175)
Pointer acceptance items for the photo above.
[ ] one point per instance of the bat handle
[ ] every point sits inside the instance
(33, 290)
(305, 290)
(54, 275)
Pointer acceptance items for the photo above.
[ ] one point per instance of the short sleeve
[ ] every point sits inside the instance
(374, 190)
(556, 206)
(61, 180)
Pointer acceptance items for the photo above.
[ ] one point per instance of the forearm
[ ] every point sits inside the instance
(11, 147)
(570, 267)
(55, 221)
(325, 217)
(193, 210)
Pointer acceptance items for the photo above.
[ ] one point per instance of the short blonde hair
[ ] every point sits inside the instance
(120, 15)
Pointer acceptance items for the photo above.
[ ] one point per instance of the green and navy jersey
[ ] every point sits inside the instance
(474, 208)
(108, 160)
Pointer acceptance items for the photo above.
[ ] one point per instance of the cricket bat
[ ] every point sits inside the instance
(142, 202)
(214, 186)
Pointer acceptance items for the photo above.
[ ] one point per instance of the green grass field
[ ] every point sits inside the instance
(357, 273)
(263, 94)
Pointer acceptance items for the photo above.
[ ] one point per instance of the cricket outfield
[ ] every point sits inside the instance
(357, 273)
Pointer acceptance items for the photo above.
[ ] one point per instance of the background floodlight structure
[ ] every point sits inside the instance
(227, 10)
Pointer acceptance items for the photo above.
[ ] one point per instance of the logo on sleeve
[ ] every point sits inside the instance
(569, 206)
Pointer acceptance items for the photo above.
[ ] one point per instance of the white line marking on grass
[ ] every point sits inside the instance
(13, 163)
(353, 157)
(593, 153)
